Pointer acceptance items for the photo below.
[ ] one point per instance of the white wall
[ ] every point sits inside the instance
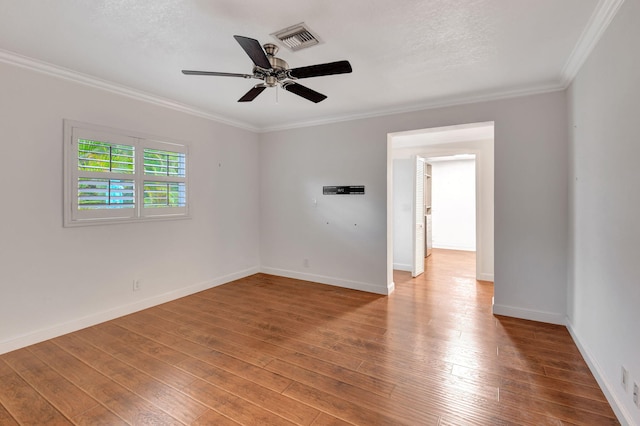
(530, 200)
(604, 287)
(342, 236)
(48, 283)
(453, 204)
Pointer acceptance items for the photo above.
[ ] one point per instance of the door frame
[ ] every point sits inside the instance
(485, 228)
(417, 209)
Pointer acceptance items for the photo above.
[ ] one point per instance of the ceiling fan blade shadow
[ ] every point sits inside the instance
(215, 73)
(252, 94)
(331, 68)
(303, 91)
(253, 48)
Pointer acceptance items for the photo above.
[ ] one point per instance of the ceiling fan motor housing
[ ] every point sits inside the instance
(279, 67)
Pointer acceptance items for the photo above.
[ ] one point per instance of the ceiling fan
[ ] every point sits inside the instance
(273, 71)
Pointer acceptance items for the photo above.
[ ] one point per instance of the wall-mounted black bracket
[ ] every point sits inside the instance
(340, 190)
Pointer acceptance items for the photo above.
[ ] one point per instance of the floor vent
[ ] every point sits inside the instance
(297, 37)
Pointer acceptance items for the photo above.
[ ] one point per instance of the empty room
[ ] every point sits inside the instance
(231, 212)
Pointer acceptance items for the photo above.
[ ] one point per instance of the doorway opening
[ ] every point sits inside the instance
(463, 146)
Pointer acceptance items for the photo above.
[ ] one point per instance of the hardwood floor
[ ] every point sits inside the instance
(267, 350)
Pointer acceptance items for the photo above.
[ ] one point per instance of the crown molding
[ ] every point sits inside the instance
(94, 82)
(441, 103)
(97, 83)
(600, 19)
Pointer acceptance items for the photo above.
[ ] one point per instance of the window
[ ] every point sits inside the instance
(112, 177)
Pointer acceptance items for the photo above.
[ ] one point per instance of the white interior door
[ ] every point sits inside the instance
(417, 266)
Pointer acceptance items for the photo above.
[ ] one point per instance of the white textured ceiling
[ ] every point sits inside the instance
(405, 54)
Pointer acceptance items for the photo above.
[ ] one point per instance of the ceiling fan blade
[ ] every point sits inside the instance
(220, 74)
(254, 50)
(331, 68)
(303, 91)
(253, 93)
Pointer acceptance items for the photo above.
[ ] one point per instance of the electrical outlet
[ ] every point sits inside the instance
(305, 263)
(136, 285)
(635, 395)
(624, 379)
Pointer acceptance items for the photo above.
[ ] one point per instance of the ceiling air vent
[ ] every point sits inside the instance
(297, 37)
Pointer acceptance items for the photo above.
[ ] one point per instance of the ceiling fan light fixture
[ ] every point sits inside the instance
(297, 37)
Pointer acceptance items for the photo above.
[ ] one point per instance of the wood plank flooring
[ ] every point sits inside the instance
(266, 350)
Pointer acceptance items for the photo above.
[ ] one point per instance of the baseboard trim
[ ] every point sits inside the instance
(391, 287)
(619, 409)
(402, 267)
(453, 247)
(528, 314)
(484, 277)
(323, 279)
(100, 317)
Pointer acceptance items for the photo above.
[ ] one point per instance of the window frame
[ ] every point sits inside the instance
(73, 216)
